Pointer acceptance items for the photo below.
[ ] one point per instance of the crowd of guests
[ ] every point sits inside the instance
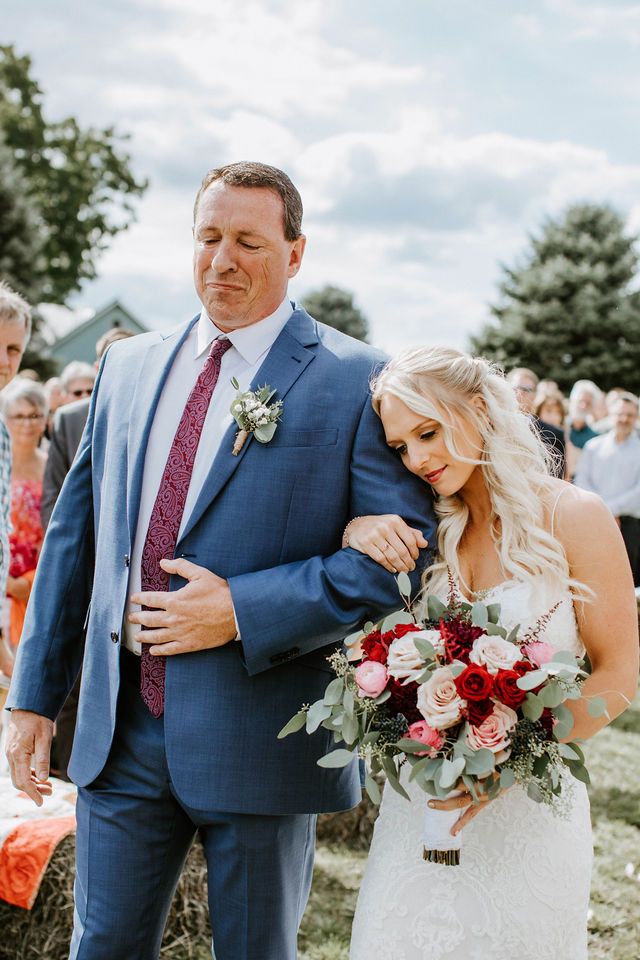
(593, 440)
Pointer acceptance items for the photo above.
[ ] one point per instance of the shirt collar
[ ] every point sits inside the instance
(250, 342)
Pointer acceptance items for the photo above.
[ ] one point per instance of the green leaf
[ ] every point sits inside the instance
(579, 771)
(333, 693)
(564, 726)
(507, 778)
(493, 612)
(353, 638)
(235, 384)
(411, 746)
(372, 737)
(479, 615)
(350, 728)
(435, 608)
(471, 786)
(337, 758)
(532, 707)
(532, 679)
(317, 712)
(457, 668)
(451, 771)
(368, 627)
(513, 634)
(496, 631)
(567, 751)
(348, 701)
(480, 763)
(400, 616)
(534, 792)
(265, 434)
(540, 765)
(564, 656)
(383, 696)
(404, 585)
(597, 707)
(425, 648)
(296, 723)
(373, 790)
(397, 786)
(417, 767)
(551, 694)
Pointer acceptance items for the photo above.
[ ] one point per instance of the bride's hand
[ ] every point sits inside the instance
(463, 802)
(387, 539)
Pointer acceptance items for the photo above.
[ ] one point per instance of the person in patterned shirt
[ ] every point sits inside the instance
(15, 328)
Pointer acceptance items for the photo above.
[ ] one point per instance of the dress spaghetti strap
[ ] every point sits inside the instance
(553, 512)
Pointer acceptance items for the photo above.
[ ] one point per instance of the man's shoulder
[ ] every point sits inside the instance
(337, 344)
(71, 413)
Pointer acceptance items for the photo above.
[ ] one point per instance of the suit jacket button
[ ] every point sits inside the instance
(127, 560)
(114, 637)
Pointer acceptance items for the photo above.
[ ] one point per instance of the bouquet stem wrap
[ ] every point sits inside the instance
(439, 845)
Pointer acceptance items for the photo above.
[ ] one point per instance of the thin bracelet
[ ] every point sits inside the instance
(345, 535)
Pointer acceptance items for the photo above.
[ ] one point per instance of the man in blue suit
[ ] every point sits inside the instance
(257, 593)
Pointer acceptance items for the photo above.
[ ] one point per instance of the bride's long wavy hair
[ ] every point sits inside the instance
(440, 383)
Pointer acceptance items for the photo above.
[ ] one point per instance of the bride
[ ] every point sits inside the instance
(508, 531)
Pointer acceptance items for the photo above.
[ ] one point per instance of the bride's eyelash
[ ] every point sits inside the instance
(428, 435)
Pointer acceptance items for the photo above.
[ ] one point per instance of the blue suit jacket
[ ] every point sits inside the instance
(270, 521)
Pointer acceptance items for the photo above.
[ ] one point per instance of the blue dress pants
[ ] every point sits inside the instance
(134, 833)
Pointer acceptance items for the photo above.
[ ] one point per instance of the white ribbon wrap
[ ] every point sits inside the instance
(437, 835)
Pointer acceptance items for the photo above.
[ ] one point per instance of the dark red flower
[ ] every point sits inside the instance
(474, 683)
(376, 647)
(401, 629)
(548, 720)
(506, 689)
(403, 700)
(458, 636)
(523, 666)
(478, 710)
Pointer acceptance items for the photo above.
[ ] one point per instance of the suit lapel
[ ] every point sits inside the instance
(285, 362)
(151, 379)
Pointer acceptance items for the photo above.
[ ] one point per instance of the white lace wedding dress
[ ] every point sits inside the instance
(521, 891)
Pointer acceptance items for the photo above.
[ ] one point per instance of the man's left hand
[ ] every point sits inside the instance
(196, 617)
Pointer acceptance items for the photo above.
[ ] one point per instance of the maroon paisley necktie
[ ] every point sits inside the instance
(166, 515)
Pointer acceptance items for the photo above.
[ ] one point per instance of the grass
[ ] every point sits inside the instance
(614, 925)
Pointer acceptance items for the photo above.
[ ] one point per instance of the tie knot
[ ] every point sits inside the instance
(219, 347)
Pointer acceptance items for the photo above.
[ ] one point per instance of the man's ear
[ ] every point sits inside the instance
(295, 257)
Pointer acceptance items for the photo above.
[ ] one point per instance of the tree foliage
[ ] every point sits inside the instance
(565, 310)
(21, 255)
(335, 307)
(79, 185)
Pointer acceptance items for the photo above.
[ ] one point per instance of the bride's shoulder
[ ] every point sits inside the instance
(577, 515)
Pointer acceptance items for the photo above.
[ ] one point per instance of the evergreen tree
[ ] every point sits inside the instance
(21, 232)
(78, 179)
(335, 307)
(565, 310)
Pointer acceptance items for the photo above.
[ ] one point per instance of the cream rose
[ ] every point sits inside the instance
(493, 733)
(403, 659)
(438, 700)
(494, 653)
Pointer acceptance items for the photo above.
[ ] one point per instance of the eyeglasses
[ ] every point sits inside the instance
(525, 389)
(81, 393)
(26, 417)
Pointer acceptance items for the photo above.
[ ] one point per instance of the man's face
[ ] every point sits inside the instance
(242, 261)
(79, 387)
(13, 340)
(625, 415)
(525, 389)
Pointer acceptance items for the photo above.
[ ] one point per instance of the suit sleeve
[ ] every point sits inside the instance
(294, 609)
(50, 650)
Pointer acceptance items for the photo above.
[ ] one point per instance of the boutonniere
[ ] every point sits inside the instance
(254, 414)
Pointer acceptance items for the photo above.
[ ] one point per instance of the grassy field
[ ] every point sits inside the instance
(614, 761)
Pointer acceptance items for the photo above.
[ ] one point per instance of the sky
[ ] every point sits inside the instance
(428, 139)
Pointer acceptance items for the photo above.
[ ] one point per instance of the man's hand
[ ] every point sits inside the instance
(196, 617)
(29, 743)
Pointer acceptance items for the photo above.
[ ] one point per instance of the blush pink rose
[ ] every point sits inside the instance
(539, 652)
(371, 678)
(493, 733)
(425, 734)
(438, 700)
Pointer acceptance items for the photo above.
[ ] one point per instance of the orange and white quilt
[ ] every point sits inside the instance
(29, 836)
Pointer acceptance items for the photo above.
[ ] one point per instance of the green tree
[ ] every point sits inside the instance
(335, 307)
(78, 180)
(565, 310)
(21, 233)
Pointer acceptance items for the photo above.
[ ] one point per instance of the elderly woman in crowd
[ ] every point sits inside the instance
(25, 413)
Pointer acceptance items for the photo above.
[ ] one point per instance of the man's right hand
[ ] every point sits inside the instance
(28, 751)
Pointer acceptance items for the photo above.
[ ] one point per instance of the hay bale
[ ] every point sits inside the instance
(352, 829)
(44, 932)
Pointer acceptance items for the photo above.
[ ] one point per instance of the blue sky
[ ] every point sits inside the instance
(427, 138)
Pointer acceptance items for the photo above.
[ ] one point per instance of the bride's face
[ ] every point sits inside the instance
(421, 445)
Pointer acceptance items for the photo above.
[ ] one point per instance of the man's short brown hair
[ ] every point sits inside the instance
(249, 173)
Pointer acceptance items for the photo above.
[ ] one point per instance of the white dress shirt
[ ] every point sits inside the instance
(612, 470)
(250, 346)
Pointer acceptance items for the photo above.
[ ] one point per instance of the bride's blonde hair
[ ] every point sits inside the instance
(440, 383)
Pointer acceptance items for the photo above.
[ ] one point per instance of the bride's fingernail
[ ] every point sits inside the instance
(431, 804)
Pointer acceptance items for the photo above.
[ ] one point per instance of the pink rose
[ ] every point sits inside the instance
(371, 678)
(493, 733)
(425, 734)
(438, 699)
(539, 652)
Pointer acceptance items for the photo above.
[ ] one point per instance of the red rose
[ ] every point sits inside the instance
(474, 683)
(506, 689)
(523, 666)
(403, 700)
(375, 647)
(401, 629)
(458, 639)
(478, 710)
(548, 722)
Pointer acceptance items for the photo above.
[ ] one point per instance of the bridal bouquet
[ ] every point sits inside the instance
(457, 699)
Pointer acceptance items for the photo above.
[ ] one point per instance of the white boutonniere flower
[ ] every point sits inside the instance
(254, 414)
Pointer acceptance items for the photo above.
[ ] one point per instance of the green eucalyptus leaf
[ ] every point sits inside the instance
(532, 707)
(411, 746)
(567, 751)
(337, 758)
(372, 789)
(348, 701)
(333, 693)
(368, 627)
(265, 434)
(579, 771)
(383, 697)
(507, 778)
(496, 631)
(457, 668)
(493, 611)
(317, 712)
(372, 737)
(480, 763)
(404, 584)
(400, 616)
(425, 648)
(397, 786)
(435, 608)
(350, 728)
(564, 656)
(551, 694)
(451, 771)
(564, 726)
(512, 636)
(235, 384)
(534, 792)
(296, 723)
(532, 679)
(479, 615)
